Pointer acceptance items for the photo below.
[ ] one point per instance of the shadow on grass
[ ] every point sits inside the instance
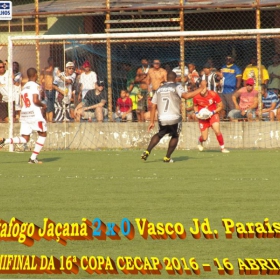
(50, 159)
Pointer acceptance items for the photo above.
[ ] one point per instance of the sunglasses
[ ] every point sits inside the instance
(156, 63)
(71, 68)
(2, 66)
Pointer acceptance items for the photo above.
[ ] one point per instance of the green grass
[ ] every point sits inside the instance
(112, 185)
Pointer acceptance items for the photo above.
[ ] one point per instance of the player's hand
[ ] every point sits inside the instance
(151, 126)
(243, 112)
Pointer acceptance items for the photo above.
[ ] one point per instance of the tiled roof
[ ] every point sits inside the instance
(98, 6)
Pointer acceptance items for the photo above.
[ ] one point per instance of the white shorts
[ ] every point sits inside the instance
(26, 128)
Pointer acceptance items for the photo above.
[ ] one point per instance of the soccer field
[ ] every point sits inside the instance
(116, 187)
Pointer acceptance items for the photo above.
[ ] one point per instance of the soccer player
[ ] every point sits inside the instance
(167, 101)
(31, 117)
(211, 100)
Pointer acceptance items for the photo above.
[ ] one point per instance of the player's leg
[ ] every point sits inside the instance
(42, 132)
(204, 127)
(174, 133)
(154, 141)
(25, 131)
(219, 136)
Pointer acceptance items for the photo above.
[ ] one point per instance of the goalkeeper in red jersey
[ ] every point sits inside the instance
(207, 104)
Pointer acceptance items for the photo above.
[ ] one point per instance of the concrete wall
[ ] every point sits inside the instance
(134, 135)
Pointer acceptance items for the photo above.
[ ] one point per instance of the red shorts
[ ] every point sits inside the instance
(203, 124)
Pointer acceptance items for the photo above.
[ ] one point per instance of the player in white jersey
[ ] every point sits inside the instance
(31, 117)
(167, 100)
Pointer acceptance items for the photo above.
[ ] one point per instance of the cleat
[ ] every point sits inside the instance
(145, 155)
(225, 151)
(2, 142)
(199, 146)
(168, 160)
(34, 161)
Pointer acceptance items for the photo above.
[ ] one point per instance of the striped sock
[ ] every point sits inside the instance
(38, 147)
(16, 140)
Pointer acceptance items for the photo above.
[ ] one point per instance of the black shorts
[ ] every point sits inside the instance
(173, 129)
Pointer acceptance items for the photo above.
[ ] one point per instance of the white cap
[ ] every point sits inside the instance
(70, 64)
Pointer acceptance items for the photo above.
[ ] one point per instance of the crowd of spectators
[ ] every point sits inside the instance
(78, 94)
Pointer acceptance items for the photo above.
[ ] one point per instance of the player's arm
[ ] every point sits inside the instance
(195, 108)
(219, 107)
(152, 117)
(202, 88)
(37, 101)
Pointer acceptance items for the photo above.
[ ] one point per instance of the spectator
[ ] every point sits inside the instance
(193, 75)
(252, 71)
(178, 71)
(211, 100)
(156, 77)
(189, 104)
(17, 78)
(93, 105)
(63, 85)
(274, 74)
(147, 115)
(134, 98)
(47, 78)
(271, 104)
(248, 102)
(4, 95)
(232, 77)
(87, 80)
(124, 107)
(130, 76)
(211, 78)
(141, 82)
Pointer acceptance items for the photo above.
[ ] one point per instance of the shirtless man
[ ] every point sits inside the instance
(141, 80)
(47, 76)
(156, 76)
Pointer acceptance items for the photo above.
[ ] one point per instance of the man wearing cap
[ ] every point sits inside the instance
(248, 102)
(232, 77)
(93, 104)
(62, 83)
(88, 80)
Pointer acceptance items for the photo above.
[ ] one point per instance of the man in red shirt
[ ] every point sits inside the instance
(212, 101)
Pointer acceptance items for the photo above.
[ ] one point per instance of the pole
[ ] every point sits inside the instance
(109, 65)
(259, 57)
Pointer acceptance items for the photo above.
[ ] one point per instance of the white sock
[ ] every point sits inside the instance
(16, 140)
(38, 147)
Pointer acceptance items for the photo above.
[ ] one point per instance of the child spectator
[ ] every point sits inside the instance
(124, 106)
